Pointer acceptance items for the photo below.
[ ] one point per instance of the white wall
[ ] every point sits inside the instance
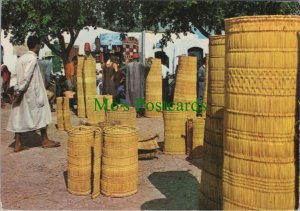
(179, 47)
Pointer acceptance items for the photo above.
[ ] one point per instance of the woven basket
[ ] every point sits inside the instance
(97, 154)
(260, 99)
(109, 99)
(213, 143)
(198, 137)
(122, 116)
(119, 161)
(147, 146)
(84, 160)
(174, 133)
(94, 114)
(187, 74)
(79, 158)
(80, 88)
(154, 88)
(90, 76)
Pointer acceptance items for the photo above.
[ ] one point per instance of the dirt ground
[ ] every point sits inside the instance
(35, 179)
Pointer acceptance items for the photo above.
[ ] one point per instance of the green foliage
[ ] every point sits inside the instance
(49, 19)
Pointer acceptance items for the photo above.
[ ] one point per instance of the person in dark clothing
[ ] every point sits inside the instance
(109, 70)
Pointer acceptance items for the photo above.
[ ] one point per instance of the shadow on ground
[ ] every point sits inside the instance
(180, 188)
(29, 139)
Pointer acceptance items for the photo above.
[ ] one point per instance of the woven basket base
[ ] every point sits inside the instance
(118, 195)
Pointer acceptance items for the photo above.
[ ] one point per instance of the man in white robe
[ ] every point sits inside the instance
(33, 111)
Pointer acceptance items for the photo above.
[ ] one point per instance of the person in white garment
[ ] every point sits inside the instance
(30, 109)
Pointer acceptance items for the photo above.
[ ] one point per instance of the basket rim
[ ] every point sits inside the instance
(119, 129)
(262, 18)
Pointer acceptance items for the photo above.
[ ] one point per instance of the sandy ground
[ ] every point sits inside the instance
(36, 178)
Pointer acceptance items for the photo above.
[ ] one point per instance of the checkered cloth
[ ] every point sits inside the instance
(130, 47)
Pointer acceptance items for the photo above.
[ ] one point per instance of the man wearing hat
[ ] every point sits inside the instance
(46, 68)
(109, 70)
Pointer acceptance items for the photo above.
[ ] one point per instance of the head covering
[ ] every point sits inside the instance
(87, 46)
(48, 54)
(115, 59)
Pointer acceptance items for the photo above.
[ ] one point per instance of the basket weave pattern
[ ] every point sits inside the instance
(154, 87)
(260, 100)
(119, 161)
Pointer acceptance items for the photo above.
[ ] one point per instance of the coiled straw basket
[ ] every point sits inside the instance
(211, 178)
(186, 82)
(119, 161)
(84, 159)
(260, 99)
(154, 87)
(175, 132)
(80, 88)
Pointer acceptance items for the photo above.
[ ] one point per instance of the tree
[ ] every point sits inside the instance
(206, 16)
(49, 19)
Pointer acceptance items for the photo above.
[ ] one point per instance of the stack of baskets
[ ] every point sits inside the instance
(175, 132)
(119, 161)
(262, 57)
(90, 77)
(154, 88)
(81, 158)
(63, 113)
(94, 113)
(186, 82)
(67, 113)
(80, 88)
(122, 116)
(211, 178)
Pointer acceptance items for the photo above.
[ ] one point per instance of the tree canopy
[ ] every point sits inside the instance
(51, 18)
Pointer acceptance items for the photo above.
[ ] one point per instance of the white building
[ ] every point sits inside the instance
(147, 45)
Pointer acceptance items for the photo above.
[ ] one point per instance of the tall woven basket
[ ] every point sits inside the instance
(122, 116)
(94, 113)
(198, 137)
(80, 88)
(90, 76)
(154, 88)
(262, 58)
(79, 160)
(175, 132)
(60, 113)
(109, 99)
(84, 160)
(211, 180)
(119, 161)
(67, 113)
(186, 83)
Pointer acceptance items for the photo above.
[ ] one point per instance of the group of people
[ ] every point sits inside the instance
(31, 89)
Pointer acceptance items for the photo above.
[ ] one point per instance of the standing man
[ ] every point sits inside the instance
(201, 80)
(30, 109)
